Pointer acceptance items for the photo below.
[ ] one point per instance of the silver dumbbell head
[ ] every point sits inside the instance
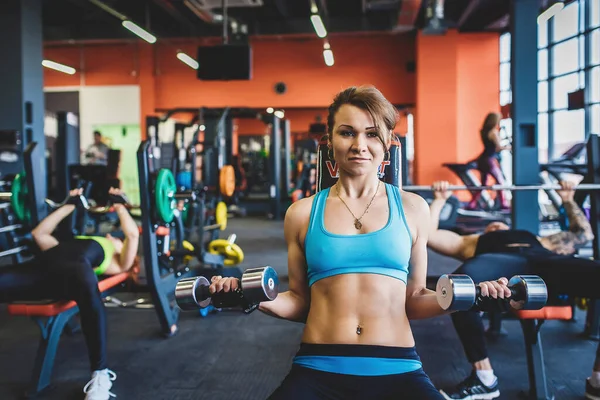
(533, 291)
(185, 293)
(456, 292)
(260, 284)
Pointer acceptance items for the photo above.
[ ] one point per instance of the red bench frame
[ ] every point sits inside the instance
(52, 317)
(531, 323)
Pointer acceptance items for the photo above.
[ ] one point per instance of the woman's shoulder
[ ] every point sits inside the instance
(301, 209)
(412, 202)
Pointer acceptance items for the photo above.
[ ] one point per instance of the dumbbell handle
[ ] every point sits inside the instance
(194, 293)
(234, 298)
(514, 294)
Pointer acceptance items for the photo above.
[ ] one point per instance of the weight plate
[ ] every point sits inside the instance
(233, 253)
(164, 195)
(19, 196)
(227, 180)
(221, 215)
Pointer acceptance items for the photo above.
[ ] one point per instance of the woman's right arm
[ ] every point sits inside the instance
(42, 233)
(294, 304)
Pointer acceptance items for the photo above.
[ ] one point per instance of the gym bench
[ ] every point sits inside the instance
(531, 323)
(52, 317)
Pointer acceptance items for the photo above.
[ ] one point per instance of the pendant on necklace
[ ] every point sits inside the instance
(357, 224)
(358, 330)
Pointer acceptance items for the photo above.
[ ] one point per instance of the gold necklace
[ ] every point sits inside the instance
(357, 223)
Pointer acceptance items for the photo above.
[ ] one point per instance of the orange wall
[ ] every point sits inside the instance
(478, 90)
(165, 82)
(379, 60)
(457, 85)
(436, 106)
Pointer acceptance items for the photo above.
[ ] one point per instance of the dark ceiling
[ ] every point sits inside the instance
(96, 20)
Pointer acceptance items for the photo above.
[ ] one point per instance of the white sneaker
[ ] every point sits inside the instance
(98, 388)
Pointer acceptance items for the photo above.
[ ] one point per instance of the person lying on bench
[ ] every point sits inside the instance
(500, 251)
(67, 270)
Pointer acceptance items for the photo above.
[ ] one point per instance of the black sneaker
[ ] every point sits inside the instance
(472, 389)
(592, 393)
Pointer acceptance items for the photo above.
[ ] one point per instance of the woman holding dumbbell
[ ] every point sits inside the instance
(67, 270)
(349, 250)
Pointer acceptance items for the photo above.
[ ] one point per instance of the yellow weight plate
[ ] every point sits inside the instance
(221, 215)
(233, 253)
(188, 246)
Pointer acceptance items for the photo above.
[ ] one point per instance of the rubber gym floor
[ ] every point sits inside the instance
(230, 355)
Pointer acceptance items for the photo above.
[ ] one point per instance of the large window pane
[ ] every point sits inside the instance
(595, 5)
(582, 11)
(543, 34)
(505, 98)
(562, 87)
(505, 47)
(565, 57)
(543, 96)
(542, 64)
(569, 129)
(595, 45)
(595, 83)
(596, 119)
(581, 52)
(543, 137)
(566, 22)
(505, 76)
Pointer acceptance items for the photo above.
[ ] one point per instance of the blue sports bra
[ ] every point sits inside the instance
(385, 252)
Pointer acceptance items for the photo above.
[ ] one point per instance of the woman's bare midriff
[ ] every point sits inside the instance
(364, 309)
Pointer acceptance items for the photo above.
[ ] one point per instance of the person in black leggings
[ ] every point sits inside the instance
(68, 270)
(503, 252)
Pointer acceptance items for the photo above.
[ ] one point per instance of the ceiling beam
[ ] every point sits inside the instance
(499, 24)
(407, 15)
(468, 11)
(323, 8)
(283, 8)
(174, 12)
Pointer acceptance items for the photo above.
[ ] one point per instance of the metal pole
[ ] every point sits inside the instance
(584, 186)
(225, 38)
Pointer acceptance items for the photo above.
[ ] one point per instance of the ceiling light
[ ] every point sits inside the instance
(147, 36)
(318, 25)
(328, 56)
(270, 110)
(59, 67)
(188, 60)
(279, 114)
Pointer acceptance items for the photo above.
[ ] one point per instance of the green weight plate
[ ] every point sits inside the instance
(18, 198)
(164, 195)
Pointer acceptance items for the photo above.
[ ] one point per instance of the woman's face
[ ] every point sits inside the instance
(357, 149)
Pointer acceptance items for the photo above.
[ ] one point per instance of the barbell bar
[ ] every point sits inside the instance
(424, 188)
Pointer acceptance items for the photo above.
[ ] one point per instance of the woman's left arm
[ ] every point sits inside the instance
(421, 302)
(131, 241)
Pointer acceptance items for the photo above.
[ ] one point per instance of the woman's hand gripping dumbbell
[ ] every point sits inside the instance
(521, 292)
(256, 285)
